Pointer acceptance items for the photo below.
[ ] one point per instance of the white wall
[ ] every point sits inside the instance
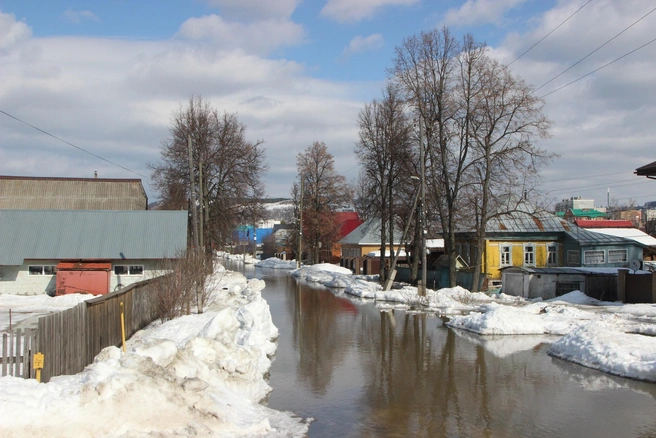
(16, 280)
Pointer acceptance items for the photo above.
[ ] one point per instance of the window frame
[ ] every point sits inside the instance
(552, 249)
(129, 270)
(530, 263)
(590, 253)
(503, 247)
(624, 252)
(42, 270)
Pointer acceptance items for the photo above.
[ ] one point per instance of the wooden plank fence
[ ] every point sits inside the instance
(16, 359)
(72, 338)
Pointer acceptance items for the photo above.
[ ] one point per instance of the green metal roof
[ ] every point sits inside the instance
(90, 234)
(587, 212)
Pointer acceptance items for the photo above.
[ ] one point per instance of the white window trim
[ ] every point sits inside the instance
(532, 246)
(501, 252)
(128, 271)
(589, 253)
(555, 252)
(42, 267)
(614, 252)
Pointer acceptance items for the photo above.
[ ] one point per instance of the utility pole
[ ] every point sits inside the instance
(300, 228)
(200, 203)
(422, 209)
(192, 195)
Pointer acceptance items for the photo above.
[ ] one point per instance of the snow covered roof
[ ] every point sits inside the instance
(628, 233)
(368, 233)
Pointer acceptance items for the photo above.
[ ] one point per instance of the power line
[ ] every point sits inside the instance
(554, 29)
(595, 50)
(586, 176)
(71, 144)
(596, 70)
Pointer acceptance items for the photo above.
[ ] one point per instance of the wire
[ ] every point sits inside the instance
(585, 176)
(595, 50)
(596, 70)
(554, 29)
(71, 144)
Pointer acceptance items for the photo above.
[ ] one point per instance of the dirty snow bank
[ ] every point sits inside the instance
(195, 375)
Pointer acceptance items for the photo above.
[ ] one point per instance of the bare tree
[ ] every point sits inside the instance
(225, 174)
(425, 70)
(479, 123)
(385, 152)
(324, 191)
(504, 120)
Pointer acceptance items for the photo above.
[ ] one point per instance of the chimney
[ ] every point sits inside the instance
(95, 174)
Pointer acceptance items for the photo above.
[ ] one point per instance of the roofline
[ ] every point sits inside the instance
(58, 178)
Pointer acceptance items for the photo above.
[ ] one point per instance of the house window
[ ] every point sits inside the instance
(573, 258)
(552, 255)
(506, 255)
(128, 270)
(594, 257)
(529, 254)
(618, 256)
(42, 270)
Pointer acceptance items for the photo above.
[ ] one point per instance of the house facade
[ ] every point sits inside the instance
(66, 251)
(543, 240)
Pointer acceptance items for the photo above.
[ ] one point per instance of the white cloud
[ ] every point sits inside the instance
(603, 123)
(255, 9)
(357, 10)
(77, 16)
(477, 12)
(115, 98)
(12, 32)
(361, 44)
(258, 37)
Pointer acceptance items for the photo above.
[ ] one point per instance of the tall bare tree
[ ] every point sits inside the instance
(385, 153)
(225, 173)
(479, 123)
(324, 191)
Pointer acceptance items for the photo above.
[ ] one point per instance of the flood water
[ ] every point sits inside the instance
(362, 372)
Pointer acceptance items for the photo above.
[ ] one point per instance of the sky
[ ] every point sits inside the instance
(106, 77)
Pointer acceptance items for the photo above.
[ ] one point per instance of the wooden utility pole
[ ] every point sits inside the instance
(192, 195)
(300, 228)
(422, 210)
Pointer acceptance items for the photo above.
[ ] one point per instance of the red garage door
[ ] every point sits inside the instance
(83, 277)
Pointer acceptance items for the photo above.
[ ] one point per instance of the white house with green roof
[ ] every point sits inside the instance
(43, 251)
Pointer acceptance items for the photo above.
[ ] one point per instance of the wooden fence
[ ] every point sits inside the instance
(16, 359)
(72, 338)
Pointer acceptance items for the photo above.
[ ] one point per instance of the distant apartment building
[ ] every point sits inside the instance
(574, 203)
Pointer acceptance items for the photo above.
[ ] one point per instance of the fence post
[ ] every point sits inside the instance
(621, 284)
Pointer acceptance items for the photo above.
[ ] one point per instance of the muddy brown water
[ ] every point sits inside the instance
(362, 372)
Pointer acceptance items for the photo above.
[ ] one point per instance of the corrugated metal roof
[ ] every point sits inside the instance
(543, 222)
(90, 234)
(368, 233)
(22, 193)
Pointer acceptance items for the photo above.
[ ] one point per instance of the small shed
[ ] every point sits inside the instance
(547, 283)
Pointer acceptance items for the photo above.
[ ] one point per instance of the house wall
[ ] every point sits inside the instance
(16, 280)
(492, 264)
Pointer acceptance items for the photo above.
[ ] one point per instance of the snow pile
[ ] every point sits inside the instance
(194, 375)
(602, 346)
(275, 263)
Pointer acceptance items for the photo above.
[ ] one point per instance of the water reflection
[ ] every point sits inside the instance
(361, 372)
